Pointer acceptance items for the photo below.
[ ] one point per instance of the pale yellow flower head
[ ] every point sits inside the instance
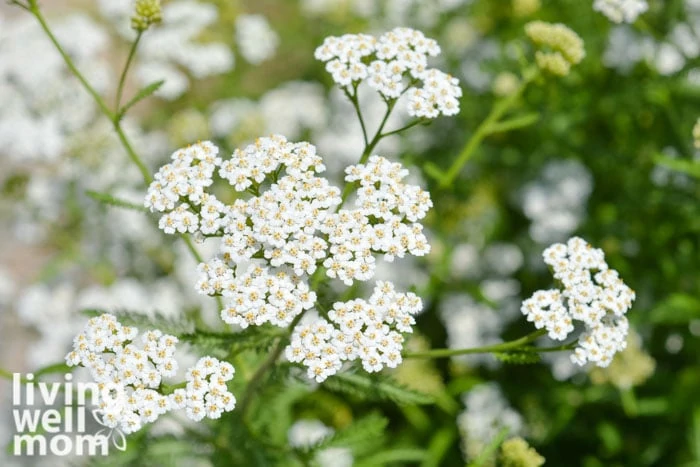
(146, 13)
(515, 452)
(560, 46)
(523, 8)
(631, 367)
(696, 134)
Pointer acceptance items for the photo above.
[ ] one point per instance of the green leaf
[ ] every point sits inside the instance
(275, 413)
(490, 450)
(391, 456)
(518, 358)
(60, 367)
(514, 123)
(678, 308)
(257, 338)
(362, 436)
(691, 168)
(176, 326)
(142, 94)
(106, 198)
(375, 388)
(433, 171)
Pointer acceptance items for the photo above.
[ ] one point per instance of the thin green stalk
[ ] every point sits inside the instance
(113, 117)
(145, 173)
(505, 346)
(125, 71)
(491, 449)
(378, 135)
(484, 130)
(34, 9)
(349, 187)
(198, 257)
(403, 128)
(356, 104)
(257, 378)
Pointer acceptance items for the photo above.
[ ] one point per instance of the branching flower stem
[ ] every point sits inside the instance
(114, 116)
(125, 71)
(520, 344)
(488, 126)
(369, 147)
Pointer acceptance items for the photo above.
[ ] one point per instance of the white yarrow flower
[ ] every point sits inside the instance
(393, 65)
(621, 11)
(592, 294)
(283, 226)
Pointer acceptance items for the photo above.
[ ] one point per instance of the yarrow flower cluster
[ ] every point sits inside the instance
(696, 134)
(393, 65)
(206, 394)
(288, 222)
(619, 11)
(563, 47)
(592, 293)
(369, 331)
(130, 368)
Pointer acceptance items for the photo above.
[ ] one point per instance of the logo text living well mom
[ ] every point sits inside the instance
(50, 418)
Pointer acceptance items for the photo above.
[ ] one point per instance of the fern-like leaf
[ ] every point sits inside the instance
(376, 388)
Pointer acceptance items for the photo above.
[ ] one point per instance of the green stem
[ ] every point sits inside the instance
(145, 173)
(378, 135)
(399, 130)
(198, 257)
(115, 117)
(122, 78)
(259, 375)
(356, 104)
(491, 449)
(505, 346)
(34, 9)
(350, 187)
(484, 130)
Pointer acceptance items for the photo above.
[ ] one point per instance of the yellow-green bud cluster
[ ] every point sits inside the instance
(696, 134)
(631, 367)
(146, 13)
(523, 8)
(563, 47)
(515, 452)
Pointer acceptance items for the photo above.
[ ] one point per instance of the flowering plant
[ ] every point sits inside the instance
(337, 249)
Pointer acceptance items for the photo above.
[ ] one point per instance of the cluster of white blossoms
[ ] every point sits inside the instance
(393, 65)
(206, 394)
(129, 368)
(366, 330)
(592, 293)
(288, 226)
(619, 11)
(256, 40)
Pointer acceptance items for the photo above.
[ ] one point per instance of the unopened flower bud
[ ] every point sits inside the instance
(562, 46)
(146, 13)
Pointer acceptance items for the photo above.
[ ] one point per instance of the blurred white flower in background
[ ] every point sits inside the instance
(556, 201)
(308, 433)
(170, 47)
(38, 116)
(256, 39)
(289, 109)
(619, 11)
(485, 415)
